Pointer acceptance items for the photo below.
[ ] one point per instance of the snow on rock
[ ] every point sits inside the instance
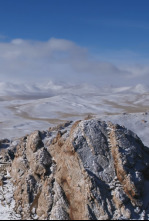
(87, 170)
(7, 202)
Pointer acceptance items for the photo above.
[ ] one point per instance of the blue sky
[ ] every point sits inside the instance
(98, 24)
(115, 31)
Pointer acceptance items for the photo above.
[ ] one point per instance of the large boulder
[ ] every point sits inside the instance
(95, 171)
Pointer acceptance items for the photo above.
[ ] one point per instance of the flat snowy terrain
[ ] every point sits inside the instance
(27, 108)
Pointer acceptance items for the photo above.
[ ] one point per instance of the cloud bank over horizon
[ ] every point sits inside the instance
(61, 60)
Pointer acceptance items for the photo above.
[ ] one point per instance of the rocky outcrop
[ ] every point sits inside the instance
(89, 170)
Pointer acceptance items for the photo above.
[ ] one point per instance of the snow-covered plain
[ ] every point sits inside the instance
(25, 108)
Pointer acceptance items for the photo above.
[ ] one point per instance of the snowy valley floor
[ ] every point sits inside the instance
(27, 108)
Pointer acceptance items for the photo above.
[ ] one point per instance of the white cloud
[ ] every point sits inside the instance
(61, 60)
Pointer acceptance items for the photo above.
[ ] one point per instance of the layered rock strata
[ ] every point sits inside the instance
(89, 170)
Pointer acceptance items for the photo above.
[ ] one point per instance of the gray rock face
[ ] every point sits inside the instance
(90, 170)
(34, 141)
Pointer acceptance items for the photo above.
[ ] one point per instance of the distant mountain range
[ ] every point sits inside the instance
(52, 89)
(25, 107)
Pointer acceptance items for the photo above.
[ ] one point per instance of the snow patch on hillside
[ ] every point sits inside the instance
(28, 107)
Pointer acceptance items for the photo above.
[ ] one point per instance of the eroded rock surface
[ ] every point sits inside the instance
(89, 170)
